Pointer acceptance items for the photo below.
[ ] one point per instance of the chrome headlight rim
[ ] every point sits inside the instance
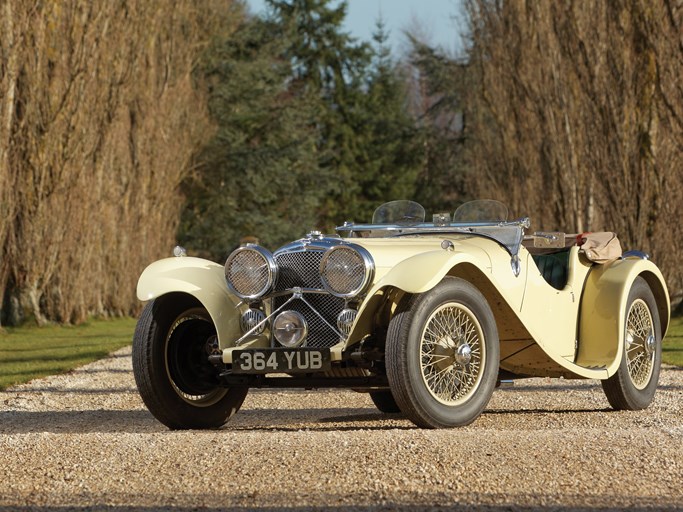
(271, 267)
(368, 263)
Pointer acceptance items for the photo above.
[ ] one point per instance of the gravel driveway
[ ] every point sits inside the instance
(84, 441)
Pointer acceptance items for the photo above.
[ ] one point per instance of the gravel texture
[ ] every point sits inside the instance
(84, 441)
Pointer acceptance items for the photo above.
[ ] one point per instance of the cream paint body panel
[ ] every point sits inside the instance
(540, 308)
(603, 312)
(399, 267)
(551, 315)
(418, 264)
(204, 280)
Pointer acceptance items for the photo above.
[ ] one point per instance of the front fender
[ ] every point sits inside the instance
(204, 280)
(417, 274)
(603, 310)
(424, 271)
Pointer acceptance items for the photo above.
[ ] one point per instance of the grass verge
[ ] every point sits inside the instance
(28, 353)
(672, 347)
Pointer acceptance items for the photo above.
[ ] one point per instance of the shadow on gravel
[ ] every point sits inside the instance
(554, 412)
(316, 420)
(84, 391)
(78, 422)
(342, 423)
(88, 371)
(517, 387)
(141, 421)
(250, 420)
(670, 387)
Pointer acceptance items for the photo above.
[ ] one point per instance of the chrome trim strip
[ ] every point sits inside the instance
(429, 227)
(309, 244)
(319, 291)
(635, 254)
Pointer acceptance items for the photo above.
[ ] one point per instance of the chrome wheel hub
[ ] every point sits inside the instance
(463, 354)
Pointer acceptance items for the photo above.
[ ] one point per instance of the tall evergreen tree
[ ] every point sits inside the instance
(331, 64)
(366, 135)
(259, 175)
(388, 155)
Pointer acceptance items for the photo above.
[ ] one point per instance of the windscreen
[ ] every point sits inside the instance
(481, 210)
(399, 212)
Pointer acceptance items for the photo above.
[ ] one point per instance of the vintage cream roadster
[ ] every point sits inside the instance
(426, 317)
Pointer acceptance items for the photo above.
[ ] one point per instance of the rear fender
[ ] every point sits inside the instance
(603, 310)
(202, 279)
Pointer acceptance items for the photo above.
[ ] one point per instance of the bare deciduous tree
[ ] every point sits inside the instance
(99, 120)
(576, 117)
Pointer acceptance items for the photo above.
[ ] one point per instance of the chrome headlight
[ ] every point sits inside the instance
(290, 329)
(347, 270)
(250, 272)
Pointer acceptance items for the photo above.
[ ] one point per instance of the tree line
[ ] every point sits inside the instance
(100, 117)
(576, 116)
(128, 126)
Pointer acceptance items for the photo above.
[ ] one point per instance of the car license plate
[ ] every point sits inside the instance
(281, 360)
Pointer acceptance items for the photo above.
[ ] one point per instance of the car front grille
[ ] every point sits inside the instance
(302, 269)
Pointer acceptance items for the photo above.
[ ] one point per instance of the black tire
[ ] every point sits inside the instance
(633, 386)
(172, 372)
(384, 401)
(443, 379)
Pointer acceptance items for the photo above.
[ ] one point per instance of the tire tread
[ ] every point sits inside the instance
(153, 382)
(397, 356)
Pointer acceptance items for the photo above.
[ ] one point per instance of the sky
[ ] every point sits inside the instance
(437, 22)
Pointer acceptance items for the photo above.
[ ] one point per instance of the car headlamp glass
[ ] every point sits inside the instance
(290, 328)
(250, 272)
(346, 270)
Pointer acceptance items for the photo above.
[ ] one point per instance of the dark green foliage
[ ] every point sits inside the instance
(313, 128)
(259, 175)
(330, 65)
(441, 82)
(387, 156)
(366, 134)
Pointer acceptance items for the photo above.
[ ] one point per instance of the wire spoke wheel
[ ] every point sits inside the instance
(633, 386)
(452, 354)
(442, 355)
(639, 344)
